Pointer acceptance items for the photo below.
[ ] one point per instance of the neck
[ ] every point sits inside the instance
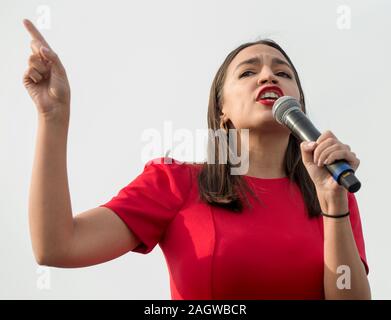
(267, 154)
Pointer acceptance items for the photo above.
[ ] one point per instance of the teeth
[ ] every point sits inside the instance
(269, 94)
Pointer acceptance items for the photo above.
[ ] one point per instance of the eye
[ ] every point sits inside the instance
(245, 73)
(284, 74)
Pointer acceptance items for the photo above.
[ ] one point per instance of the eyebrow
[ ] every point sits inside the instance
(257, 61)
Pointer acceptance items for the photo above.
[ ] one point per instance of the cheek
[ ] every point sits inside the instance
(293, 91)
(245, 116)
(235, 103)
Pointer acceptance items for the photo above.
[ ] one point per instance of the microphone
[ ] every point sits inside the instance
(287, 111)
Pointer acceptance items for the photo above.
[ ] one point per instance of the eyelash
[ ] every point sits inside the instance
(286, 74)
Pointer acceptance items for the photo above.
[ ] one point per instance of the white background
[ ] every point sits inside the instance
(133, 65)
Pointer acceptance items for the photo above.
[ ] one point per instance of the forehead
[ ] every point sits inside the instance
(265, 52)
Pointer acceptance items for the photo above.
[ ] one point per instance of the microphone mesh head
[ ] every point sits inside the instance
(282, 106)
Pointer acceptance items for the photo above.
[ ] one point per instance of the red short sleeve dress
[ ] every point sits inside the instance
(272, 251)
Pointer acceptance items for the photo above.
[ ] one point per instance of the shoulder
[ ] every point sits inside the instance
(178, 172)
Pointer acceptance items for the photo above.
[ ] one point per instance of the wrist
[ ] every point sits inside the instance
(54, 119)
(335, 204)
(339, 217)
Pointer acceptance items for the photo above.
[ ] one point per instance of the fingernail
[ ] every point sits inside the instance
(44, 49)
(310, 144)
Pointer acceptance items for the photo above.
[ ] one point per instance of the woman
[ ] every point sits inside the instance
(289, 239)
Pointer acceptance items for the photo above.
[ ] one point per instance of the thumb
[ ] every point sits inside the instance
(51, 56)
(307, 149)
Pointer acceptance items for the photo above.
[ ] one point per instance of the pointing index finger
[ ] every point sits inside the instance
(33, 31)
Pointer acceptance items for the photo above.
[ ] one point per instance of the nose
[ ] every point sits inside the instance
(266, 75)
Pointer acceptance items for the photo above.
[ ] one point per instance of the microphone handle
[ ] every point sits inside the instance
(303, 129)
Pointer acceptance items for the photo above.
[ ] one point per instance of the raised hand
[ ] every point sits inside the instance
(45, 79)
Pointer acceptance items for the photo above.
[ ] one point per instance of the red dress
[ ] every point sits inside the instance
(273, 251)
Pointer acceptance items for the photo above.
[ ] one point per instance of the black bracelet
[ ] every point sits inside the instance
(331, 216)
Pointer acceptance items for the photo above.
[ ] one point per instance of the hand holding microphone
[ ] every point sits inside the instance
(342, 163)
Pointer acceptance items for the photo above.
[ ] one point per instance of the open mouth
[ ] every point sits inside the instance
(268, 95)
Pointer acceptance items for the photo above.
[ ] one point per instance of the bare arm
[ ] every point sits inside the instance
(59, 239)
(99, 235)
(341, 253)
(340, 250)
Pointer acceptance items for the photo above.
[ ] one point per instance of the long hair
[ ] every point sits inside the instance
(220, 188)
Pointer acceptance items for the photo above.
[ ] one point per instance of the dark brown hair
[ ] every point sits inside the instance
(220, 188)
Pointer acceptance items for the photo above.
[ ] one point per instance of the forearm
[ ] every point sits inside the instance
(340, 250)
(50, 211)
